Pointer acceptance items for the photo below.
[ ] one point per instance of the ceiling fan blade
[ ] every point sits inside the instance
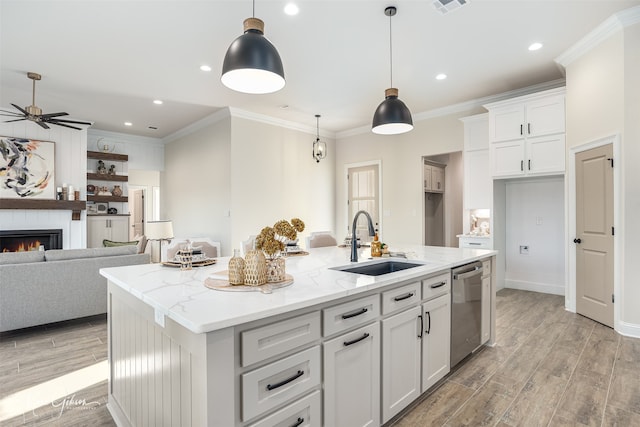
(16, 120)
(67, 126)
(11, 112)
(23, 111)
(53, 115)
(54, 121)
(42, 125)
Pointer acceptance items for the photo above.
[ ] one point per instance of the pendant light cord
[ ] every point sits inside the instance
(390, 51)
(254, 8)
(317, 127)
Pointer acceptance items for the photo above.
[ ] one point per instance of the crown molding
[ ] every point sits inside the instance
(209, 120)
(464, 106)
(262, 118)
(609, 27)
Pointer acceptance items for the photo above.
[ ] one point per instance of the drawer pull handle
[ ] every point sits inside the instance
(283, 382)
(357, 313)
(428, 331)
(475, 243)
(438, 285)
(421, 325)
(348, 343)
(299, 422)
(407, 296)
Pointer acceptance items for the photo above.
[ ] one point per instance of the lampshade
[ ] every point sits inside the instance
(159, 230)
(392, 115)
(252, 64)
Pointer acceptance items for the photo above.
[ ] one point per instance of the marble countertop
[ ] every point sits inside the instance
(182, 296)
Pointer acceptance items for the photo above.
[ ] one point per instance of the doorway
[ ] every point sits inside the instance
(594, 237)
(137, 214)
(363, 194)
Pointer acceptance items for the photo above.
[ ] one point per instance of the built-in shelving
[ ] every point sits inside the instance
(92, 176)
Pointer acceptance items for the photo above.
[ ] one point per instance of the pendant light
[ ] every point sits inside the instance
(252, 64)
(392, 116)
(319, 147)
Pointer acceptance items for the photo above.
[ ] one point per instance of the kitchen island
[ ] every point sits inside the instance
(315, 352)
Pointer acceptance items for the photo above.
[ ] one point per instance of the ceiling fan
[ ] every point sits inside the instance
(34, 113)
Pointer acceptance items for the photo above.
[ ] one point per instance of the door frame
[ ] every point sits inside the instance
(348, 166)
(618, 240)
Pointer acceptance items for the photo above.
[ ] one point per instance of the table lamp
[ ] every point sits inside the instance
(159, 230)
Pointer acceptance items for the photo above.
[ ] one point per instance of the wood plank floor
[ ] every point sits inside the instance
(549, 368)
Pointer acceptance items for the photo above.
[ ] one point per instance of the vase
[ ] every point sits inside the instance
(117, 191)
(255, 268)
(236, 269)
(275, 270)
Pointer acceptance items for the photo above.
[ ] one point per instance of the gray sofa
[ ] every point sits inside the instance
(42, 287)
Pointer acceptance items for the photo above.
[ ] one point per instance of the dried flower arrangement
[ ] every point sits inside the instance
(271, 240)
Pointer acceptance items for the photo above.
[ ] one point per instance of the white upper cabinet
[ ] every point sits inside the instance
(527, 135)
(478, 185)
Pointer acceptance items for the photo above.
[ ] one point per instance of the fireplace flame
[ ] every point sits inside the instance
(24, 247)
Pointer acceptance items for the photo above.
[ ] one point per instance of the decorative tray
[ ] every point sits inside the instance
(223, 285)
(290, 254)
(199, 263)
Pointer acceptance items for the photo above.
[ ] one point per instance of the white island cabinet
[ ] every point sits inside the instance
(332, 349)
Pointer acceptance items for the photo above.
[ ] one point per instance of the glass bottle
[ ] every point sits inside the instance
(236, 268)
(376, 247)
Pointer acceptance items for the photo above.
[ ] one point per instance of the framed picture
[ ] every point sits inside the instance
(92, 208)
(26, 168)
(102, 207)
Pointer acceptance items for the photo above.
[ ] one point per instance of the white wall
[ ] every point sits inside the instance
(70, 168)
(196, 184)
(535, 218)
(401, 175)
(274, 176)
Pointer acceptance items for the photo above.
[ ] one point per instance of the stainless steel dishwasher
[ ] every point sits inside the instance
(466, 310)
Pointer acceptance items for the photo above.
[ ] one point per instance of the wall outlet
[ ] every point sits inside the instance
(524, 250)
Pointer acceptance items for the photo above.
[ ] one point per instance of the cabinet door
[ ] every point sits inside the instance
(546, 155)
(437, 179)
(352, 378)
(545, 116)
(119, 226)
(436, 341)
(97, 231)
(507, 158)
(476, 132)
(485, 326)
(427, 178)
(478, 185)
(400, 361)
(506, 123)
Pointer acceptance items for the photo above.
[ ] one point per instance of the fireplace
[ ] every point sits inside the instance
(29, 240)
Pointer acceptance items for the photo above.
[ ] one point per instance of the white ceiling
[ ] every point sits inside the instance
(105, 61)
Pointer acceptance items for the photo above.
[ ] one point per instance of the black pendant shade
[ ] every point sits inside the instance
(252, 64)
(392, 115)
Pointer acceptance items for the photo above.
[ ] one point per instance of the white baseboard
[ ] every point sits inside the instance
(628, 329)
(544, 288)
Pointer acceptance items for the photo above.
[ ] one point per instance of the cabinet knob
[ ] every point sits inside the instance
(577, 240)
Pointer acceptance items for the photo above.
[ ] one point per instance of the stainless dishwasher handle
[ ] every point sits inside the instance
(475, 272)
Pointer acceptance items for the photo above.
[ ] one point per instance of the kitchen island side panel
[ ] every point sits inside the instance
(166, 374)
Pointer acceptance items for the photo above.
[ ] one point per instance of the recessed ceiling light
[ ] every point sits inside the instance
(291, 9)
(441, 76)
(157, 101)
(535, 46)
(205, 68)
(128, 124)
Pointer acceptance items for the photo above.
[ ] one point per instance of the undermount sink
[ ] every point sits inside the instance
(378, 268)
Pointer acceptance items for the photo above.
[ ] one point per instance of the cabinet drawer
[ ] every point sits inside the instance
(270, 340)
(302, 413)
(401, 297)
(474, 243)
(279, 382)
(436, 285)
(486, 267)
(344, 316)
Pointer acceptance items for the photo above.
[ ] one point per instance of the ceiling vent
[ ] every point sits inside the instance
(446, 6)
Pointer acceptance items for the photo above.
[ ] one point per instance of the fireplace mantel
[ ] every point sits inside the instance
(75, 206)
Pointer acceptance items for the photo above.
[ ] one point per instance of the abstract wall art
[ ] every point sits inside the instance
(26, 168)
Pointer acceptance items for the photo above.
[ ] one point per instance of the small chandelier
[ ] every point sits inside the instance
(319, 147)
(252, 64)
(392, 116)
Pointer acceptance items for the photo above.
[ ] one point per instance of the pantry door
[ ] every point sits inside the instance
(594, 234)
